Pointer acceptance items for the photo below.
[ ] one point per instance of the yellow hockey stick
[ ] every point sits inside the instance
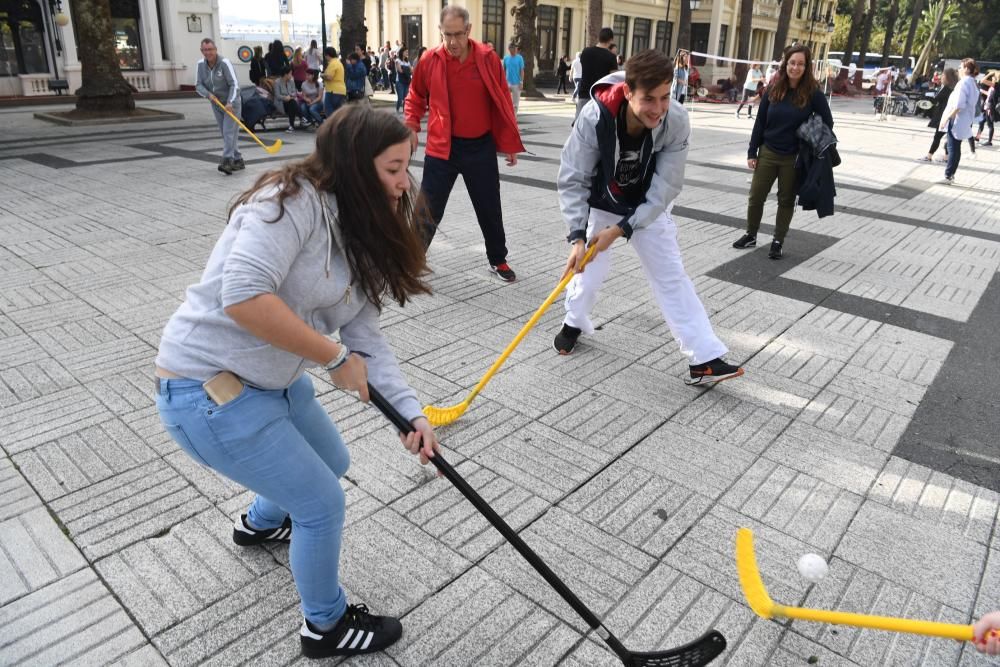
(446, 415)
(274, 148)
(765, 607)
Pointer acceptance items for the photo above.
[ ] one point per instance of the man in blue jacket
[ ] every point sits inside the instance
(620, 171)
(215, 79)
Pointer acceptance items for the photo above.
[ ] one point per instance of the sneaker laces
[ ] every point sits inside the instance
(359, 616)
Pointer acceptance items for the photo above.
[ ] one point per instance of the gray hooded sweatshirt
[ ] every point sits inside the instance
(299, 258)
(219, 80)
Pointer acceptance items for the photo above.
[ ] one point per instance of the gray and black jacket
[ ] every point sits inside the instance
(587, 165)
(219, 81)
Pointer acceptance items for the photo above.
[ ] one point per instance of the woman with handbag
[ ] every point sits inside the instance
(793, 96)
(315, 247)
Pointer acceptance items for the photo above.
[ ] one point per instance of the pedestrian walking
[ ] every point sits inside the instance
(314, 57)
(404, 73)
(471, 119)
(988, 93)
(513, 65)
(792, 98)
(355, 75)
(958, 115)
(940, 102)
(620, 171)
(311, 100)
(750, 87)
(562, 71)
(215, 79)
(576, 72)
(300, 68)
(258, 68)
(596, 62)
(313, 248)
(334, 85)
(682, 70)
(390, 71)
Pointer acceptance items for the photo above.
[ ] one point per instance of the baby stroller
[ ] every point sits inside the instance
(255, 108)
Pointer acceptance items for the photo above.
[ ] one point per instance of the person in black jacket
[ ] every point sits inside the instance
(276, 60)
(940, 101)
(563, 73)
(793, 96)
(258, 68)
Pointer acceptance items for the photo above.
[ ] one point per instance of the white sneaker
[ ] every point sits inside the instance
(923, 159)
(290, 129)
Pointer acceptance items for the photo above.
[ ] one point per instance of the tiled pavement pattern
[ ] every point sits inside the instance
(864, 430)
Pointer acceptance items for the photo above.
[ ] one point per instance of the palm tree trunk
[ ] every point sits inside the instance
(925, 53)
(852, 36)
(890, 26)
(781, 35)
(352, 27)
(918, 8)
(595, 17)
(684, 30)
(104, 88)
(525, 14)
(743, 46)
(866, 36)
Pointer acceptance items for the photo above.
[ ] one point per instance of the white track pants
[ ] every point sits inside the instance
(660, 255)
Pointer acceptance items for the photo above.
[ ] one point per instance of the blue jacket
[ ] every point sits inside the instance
(354, 76)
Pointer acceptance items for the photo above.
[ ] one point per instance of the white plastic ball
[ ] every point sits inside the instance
(812, 567)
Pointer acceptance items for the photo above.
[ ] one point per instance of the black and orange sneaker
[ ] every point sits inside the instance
(713, 371)
(505, 272)
(565, 340)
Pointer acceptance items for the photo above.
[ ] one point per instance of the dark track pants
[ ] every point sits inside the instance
(476, 161)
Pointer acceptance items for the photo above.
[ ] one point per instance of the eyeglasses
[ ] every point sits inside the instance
(455, 35)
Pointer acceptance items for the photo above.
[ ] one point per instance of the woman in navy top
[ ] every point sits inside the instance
(793, 96)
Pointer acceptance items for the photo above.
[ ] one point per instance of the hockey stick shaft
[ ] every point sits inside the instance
(403, 426)
(240, 123)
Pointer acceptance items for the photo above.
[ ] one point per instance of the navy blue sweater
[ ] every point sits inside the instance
(776, 123)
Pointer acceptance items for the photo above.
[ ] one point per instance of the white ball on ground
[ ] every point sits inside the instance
(812, 567)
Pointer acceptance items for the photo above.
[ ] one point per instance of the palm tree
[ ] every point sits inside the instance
(104, 88)
(918, 7)
(595, 17)
(852, 36)
(743, 46)
(941, 26)
(352, 26)
(684, 30)
(525, 13)
(865, 39)
(781, 35)
(890, 25)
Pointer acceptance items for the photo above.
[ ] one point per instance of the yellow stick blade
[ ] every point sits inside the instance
(275, 148)
(444, 416)
(750, 580)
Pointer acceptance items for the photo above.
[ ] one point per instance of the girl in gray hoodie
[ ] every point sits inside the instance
(311, 249)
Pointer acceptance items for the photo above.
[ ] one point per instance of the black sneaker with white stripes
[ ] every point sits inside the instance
(356, 632)
(245, 536)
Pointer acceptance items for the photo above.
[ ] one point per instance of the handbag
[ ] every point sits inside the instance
(368, 88)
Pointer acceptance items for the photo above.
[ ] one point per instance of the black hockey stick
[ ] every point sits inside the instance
(699, 652)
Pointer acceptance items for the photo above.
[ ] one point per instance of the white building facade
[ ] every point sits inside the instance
(158, 41)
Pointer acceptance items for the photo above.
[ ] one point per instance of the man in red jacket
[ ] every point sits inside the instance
(471, 120)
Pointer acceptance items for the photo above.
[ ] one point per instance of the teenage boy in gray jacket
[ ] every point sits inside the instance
(215, 79)
(621, 169)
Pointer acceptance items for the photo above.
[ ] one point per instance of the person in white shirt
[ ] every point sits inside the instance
(576, 72)
(750, 89)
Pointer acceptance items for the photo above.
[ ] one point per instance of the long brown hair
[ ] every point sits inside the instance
(807, 84)
(383, 245)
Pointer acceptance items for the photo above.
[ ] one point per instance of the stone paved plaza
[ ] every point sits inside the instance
(865, 428)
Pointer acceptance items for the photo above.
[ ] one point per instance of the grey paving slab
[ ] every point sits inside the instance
(440, 510)
(16, 496)
(727, 418)
(166, 579)
(645, 511)
(599, 568)
(477, 620)
(74, 620)
(39, 420)
(106, 516)
(33, 552)
(850, 588)
(941, 563)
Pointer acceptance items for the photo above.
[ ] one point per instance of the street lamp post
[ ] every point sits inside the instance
(322, 20)
(59, 20)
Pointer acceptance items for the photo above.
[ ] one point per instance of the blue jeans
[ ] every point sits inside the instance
(332, 102)
(401, 90)
(954, 153)
(311, 111)
(282, 445)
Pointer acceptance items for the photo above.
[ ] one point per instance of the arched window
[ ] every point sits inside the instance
(22, 38)
(493, 23)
